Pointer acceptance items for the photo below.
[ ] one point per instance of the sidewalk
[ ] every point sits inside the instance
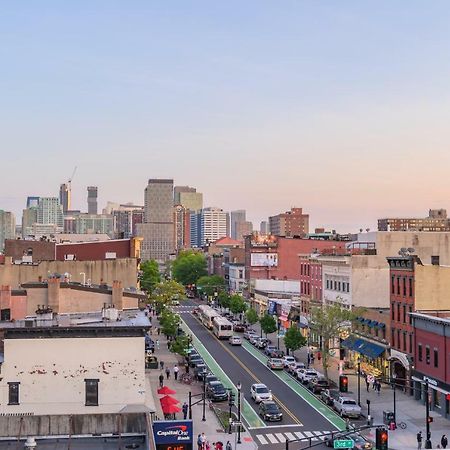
(408, 410)
(211, 427)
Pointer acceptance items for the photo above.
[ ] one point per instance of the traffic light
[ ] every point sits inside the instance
(231, 396)
(430, 419)
(343, 383)
(381, 440)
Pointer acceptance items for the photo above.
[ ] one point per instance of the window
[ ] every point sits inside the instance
(398, 339)
(393, 338)
(91, 386)
(404, 341)
(410, 349)
(410, 316)
(398, 312)
(404, 313)
(392, 311)
(339, 285)
(13, 393)
(410, 287)
(328, 284)
(436, 357)
(404, 286)
(419, 351)
(427, 354)
(392, 284)
(5, 314)
(398, 285)
(435, 260)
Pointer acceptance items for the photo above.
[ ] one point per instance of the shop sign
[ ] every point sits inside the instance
(173, 434)
(430, 381)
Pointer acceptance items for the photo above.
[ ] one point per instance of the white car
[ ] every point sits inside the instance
(292, 368)
(288, 360)
(235, 340)
(260, 392)
(307, 375)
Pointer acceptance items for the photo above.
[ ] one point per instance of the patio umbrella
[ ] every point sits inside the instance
(166, 391)
(170, 409)
(168, 400)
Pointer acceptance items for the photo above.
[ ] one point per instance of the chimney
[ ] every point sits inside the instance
(53, 293)
(117, 295)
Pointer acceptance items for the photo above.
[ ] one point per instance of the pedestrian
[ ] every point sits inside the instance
(168, 372)
(228, 446)
(175, 371)
(367, 383)
(444, 441)
(157, 342)
(150, 320)
(347, 424)
(207, 446)
(161, 380)
(419, 440)
(378, 387)
(161, 365)
(186, 367)
(185, 409)
(158, 330)
(199, 442)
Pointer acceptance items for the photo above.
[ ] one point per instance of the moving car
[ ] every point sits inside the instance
(239, 327)
(288, 360)
(347, 407)
(270, 411)
(216, 392)
(317, 385)
(235, 340)
(175, 303)
(275, 364)
(292, 368)
(260, 392)
(361, 443)
(307, 375)
(329, 395)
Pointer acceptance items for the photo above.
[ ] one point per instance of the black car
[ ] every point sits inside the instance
(211, 377)
(360, 442)
(216, 392)
(239, 327)
(200, 371)
(270, 411)
(329, 395)
(196, 360)
(276, 353)
(317, 385)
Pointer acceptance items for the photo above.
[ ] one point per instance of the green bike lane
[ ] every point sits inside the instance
(249, 414)
(300, 390)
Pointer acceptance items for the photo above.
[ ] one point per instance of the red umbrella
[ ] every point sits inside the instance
(166, 390)
(170, 409)
(168, 400)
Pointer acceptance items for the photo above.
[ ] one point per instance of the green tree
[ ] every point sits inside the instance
(224, 300)
(169, 323)
(188, 267)
(166, 291)
(293, 339)
(237, 304)
(210, 284)
(150, 275)
(180, 345)
(268, 324)
(328, 322)
(252, 316)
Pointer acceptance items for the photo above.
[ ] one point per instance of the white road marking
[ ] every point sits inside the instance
(280, 436)
(299, 435)
(272, 438)
(290, 436)
(261, 439)
(310, 435)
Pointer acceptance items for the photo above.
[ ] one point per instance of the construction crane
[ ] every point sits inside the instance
(69, 182)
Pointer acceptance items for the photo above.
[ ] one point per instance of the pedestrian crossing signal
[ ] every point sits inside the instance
(343, 383)
(381, 439)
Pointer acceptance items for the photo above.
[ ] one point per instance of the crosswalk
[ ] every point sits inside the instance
(280, 438)
(182, 309)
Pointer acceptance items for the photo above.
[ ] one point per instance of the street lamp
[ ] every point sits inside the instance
(239, 387)
(394, 387)
(230, 404)
(278, 333)
(204, 372)
(359, 381)
(427, 413)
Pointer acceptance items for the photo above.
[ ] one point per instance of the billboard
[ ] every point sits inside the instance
(264, 259)
(173, 434)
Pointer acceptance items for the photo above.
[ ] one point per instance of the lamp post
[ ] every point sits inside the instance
(204, 372)
(394, 387)
(359, 381)
(239, 387)
(230, 404)
(278, 333)
(427, 416)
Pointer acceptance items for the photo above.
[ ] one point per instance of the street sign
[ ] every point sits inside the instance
(343, 443)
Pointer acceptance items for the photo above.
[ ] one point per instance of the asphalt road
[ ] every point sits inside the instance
(300, 419)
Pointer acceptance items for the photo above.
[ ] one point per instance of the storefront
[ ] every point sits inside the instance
(438, 393)
(373, 357)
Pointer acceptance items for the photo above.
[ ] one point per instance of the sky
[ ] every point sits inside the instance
(342, 108)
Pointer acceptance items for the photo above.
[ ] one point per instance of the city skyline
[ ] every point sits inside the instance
(333, 108)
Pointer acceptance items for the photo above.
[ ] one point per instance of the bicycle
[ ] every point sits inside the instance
(186, 378)
(402, 425)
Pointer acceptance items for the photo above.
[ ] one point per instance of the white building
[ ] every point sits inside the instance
(94, 223)
(7, 227)
(215, 224)
(50, 212)
(236, 280)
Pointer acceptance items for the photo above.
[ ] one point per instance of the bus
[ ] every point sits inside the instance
(222, 327)
(207, 315)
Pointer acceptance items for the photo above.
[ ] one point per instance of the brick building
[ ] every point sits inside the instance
(291, 223)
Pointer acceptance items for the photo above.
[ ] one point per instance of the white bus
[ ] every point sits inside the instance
(207, 315)
(222, 327)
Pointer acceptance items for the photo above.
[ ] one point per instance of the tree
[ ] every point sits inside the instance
(224, 300)
(188, 267)
(293, 339)
(268, 324)
(150, 275)
(169, 323)
(166, 291)
(210, 284)
(252, 316)
(328, 322)
(237, 304)
(180, 345)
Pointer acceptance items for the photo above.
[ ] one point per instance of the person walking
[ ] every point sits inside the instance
(168, 372)
(367, 384)
(157, 342)
(185, 409)
(444, 441)
(378, 387)
(228, 446)
(176, 369)
(161, 365)
(203, 441)
(419, 440)
(199, 442)
(158, 330)
(161, 380)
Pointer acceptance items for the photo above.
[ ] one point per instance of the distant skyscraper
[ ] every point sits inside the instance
(188, 197)
(236, 217)
(195, 231)
(182, 227)
(65, 197)
(243, 229)
(49, 212)
(92, 199)
(7, 227)
(264, 227)
(32, 202)
(158, 230)
(214, 224)
(291, 223)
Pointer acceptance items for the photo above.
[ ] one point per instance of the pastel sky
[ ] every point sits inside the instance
(342, 108)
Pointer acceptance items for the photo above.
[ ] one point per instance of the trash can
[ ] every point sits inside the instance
(151, 362)
(388, 417)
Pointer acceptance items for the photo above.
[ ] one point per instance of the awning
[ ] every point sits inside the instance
(349, 342)
(363, 347)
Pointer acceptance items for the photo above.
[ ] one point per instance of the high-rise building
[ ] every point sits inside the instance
(289, 224)
(436, 221)
(49, 212)
(157, 230)
(264, 227)
(236, 217)
(65, 197)
(7, 227)
(92, 199)
(32, 202)
(243, 229)
(182, 227)
(29, 218)
(94, 224)
(188, 197)
(126, 218)
(215, 224)
(195, 222)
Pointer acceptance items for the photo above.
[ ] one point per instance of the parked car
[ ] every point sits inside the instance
(195, 360)
(347, 407)
(175, 303)
(361, 443)
(261, 342)
(306, 375)
(254, 339)
(248, 333)
(216, 392)
(200, 371)
(329, 395)
(269, 349)
(211, 377)
(275, 364)
(235, 340)
(270, 411)
(275, 353)
(260, 392)
(292, 368)
(239, 327)
(318, 384)
(288, 360)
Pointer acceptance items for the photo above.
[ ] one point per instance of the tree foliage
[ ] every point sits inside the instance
(150, 275)
(180, 345)
(268, 324)
(188, 267)
(210, 284)
(169, 323)
(166, 291)
(328, 322)
(293, 339)
(224, 300)
(237, 304)
(252, 316)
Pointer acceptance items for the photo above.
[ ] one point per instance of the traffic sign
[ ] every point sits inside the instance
(343, 443)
